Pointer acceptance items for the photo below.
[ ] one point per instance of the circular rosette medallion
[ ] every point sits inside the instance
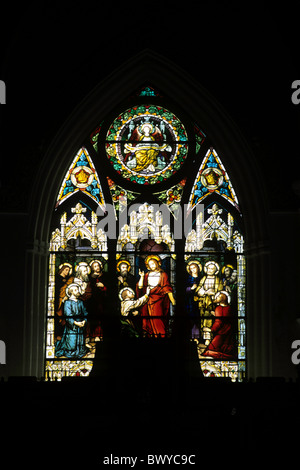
(82, 176)
(212, 178)
(146, 144)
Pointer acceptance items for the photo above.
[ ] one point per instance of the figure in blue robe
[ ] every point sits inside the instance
(72, 343)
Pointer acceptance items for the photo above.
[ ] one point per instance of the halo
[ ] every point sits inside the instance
(72, 285)
(224, 292)
(149, 257)
(96, 261)
(211, 262)
(83, 263)
(146, 124)
(123, 261)
(122, 290)
(194, 262)
(227, 266)
(67, 265)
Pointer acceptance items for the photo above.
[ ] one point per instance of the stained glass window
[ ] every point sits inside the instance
(146, 144)
(152, 188)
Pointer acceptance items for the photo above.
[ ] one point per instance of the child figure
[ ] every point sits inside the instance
(128, 308)
(72, 343)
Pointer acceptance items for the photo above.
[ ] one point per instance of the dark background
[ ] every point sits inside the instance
(53, 54)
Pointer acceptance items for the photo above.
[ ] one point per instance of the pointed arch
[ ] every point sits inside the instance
(212, 177)
(150, 67)
(81, 176)
(146, 67)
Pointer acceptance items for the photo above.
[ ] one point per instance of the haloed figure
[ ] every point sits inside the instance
(209, 285)
(129, 306)
(125, 278)
(156, 311)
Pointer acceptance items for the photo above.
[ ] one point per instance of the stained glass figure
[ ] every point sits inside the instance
(194, 269)
(125, 277)
(81, 176)
(146, 144)
(212, 178)
(72, 343)
(129, 309)
(155, 283)
(129, 304)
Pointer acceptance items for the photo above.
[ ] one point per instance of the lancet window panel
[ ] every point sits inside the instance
(215, 293)
(146, 266)
(147, 293)
(77, 288)
(73, 324)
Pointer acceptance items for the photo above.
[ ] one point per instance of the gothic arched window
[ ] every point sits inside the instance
(146, 229)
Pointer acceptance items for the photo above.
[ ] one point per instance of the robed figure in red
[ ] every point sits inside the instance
(222, 346)
(156, 311)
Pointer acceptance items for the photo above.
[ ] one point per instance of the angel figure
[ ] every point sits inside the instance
(145, 155)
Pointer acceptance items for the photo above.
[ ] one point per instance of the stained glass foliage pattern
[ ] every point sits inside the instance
(212, 178)
(81, 176)
(94, 136)
(215, 293)
(146, 144)
(199, 137)
(172, 197)
(121, 197)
